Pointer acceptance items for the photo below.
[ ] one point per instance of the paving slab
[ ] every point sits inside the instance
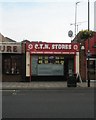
(41, 85)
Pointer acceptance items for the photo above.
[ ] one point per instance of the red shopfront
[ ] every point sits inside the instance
(51, 61)
(92, 57)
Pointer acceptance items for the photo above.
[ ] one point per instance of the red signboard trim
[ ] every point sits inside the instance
(52, 48)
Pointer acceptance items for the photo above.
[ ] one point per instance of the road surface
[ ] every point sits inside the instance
(67, 103)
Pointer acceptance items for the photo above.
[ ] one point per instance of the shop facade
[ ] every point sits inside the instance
(85, 46)
(92, 57)
(51, 61)
(11, 61)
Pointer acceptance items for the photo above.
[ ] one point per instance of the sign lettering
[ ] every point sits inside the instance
(10, 48)
(37, 47)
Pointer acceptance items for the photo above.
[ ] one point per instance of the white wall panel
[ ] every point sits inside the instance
(27, 64)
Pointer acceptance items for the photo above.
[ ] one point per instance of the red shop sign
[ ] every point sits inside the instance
(52, 48)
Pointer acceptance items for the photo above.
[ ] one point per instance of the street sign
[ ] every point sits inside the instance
(70, 33)
(88, 54)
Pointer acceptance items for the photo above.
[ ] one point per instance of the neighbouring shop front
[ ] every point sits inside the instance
(92, 58)
(11, 61)
(51, 61)
(92, 68)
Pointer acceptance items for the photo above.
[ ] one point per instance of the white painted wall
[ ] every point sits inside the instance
(27, 64)
(95, 16)
(77, 62)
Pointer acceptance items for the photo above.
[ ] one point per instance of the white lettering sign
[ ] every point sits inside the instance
(75, 47)
(58, 46)
(36, 46)
(10, 48)
(53, 46)
(61, 46)
(30, 46)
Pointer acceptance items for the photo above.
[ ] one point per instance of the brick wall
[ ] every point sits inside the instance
(11, 78)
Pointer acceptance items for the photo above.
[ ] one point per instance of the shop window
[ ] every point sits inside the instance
(46, 61)
(51, 59)
(7, 66)
(61, 58)
(92, 64)
(40, 61)
(61, 62)
(57, 57)
(11, 65)
(46, 57)
(40, 57)
(57, 61)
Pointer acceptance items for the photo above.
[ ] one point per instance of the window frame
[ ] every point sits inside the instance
(14, 67)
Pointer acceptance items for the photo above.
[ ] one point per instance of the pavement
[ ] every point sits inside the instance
(41, 85)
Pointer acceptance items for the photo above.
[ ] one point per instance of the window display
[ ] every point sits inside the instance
(44, 65)
(12, 64)
(50, 59)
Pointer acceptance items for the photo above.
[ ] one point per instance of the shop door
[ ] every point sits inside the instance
(92, 68)
(68, 66)
(71, 66)
(34, 66)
